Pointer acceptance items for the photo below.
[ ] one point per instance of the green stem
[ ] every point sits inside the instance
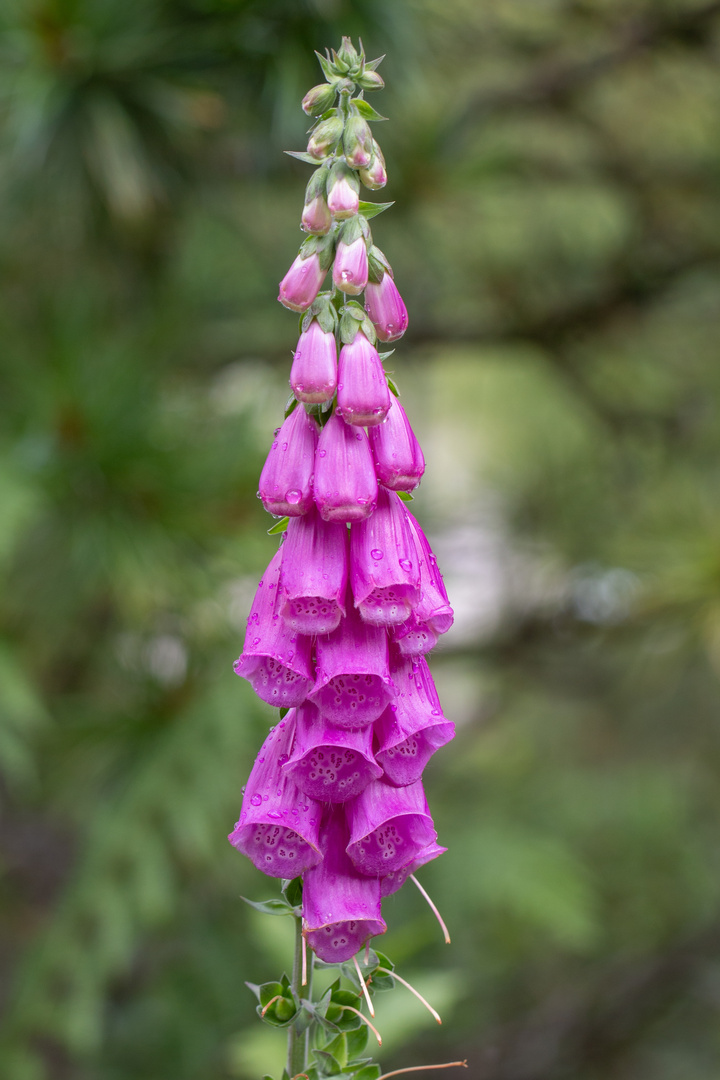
(297, 1043)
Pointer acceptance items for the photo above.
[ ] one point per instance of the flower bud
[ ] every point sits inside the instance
(347, 53)
(399, 461)
(325, 137)
(384, 571)
(386, 309)
(345, 484)
(357, 142)
(374, 176)
(370, 80)
(350, 269)
(316, 217)
(319, 99)
(343, 188)
(313, 376)
(279, 826)
(302, 283)
(286, 479)
(313, 574)
(363, 394)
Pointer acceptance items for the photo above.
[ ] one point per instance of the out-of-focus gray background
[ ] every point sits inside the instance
(556, 170)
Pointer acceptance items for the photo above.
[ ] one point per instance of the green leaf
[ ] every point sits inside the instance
(356, 1042)
(366, 110)
(326, 1063)
(393, 386)
(301, 155)
(292, 891)
(291, 405)
(270, 907)
(372, 209)
(405, 496)
(370, 1072)
(279, 526)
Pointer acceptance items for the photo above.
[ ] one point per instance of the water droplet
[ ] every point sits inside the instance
(284, 446)
(322, 453)
(406, 564)
(376, 553)
(389, 327)
(347, 275)
(293, 496)
(256, 800)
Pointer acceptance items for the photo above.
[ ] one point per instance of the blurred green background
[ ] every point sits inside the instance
(556, 169)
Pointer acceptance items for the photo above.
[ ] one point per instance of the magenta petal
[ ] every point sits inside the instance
(386, 309)
(353, 676)
(313, 574)
(413, 727)
(350, 269)
(313, 376)
(341, 908)
(389, 826)
(279, 827)
(275, 660)
(384, 571)
(345, 484)
(434, 606)
(302, 283)
(414, 638)
(397, 878)
(363, 396)
(328, 763)
(286, 481)
(399, 461)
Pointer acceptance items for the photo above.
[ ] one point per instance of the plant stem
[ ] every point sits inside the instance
(297, 1042)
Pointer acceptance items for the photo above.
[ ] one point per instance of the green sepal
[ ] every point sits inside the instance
(327, 68)
(356, 1042)
(386, 355)
(337, 1047)
(291, 405)
(283, 712)
(375, 64)
(366, 110)
(270, 907)
(351, 231)
(267, 1076)
(342, 1018)
(368, 329)
(349, 327)
(377, 266)
(370, 1072)
(317, 183)
(392, 385)
(321, 309)
(325, 248)
(279, 526)
(281, 1013)
(327, 1065)
(372, 209)
(309, 246)
(285, 1075)
(292, 890)
(327, 317)
(301, 155)
(405, 496)
(304, 1018)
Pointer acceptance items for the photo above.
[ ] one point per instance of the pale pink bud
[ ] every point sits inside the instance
(386, 309)
(316, 217)
(343, 198)
(363, 395)
(302, 283)
(350, 270)
(357, 142)
(313, 376)
(374, 176)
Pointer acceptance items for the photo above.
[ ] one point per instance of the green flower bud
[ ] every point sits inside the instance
(357, 142)
(347, 54)
(319, 99)
(370, 80)
(325, 137)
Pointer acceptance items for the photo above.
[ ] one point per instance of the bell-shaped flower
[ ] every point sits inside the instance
(363, 394)
(341, 908)
(353, 684)
(350, 269)
(313, 376)
(343, 187)
(374, 175)
(286, 481)
(386, 309)
(414, 638)
(434, 607)
(279, 826)
(313, 574)
(345, 486)
(389, 827)
(397, 878)
(316, 216)
(357, 142)
(384, 572)
(329, 763)
(302, 283)
(276, 660)
(413, 727)
(399, 461)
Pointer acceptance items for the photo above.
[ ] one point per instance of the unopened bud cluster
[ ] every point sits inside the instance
(353, 599)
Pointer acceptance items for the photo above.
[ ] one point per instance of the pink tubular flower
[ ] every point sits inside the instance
(413, 727)
(328, 763)
(399, 461)
(279, 827)
(350, 269)
(389, 827)
(384, 572)
(275, 660)
(374, 175)
(286, 479)
(313, 376)
(397, 878)
(414, 638)
(341, 908)
(313, 574)
(345, 485)
(302, 283)
(343, 187)
(434, 606)
(363, 394)
(386, 309)
(353, 684)
(316, 216)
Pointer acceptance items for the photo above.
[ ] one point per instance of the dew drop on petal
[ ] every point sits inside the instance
(256, 800)
(293, 496)
(376, 553)
(406, 564)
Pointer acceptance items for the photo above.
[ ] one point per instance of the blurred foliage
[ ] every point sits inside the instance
(556, 235)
